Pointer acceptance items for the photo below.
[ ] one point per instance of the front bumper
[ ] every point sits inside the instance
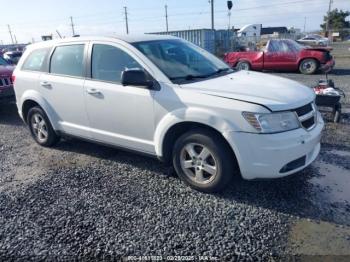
(7, 95)
(267, 155)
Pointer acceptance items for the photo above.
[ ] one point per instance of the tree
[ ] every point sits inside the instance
(337, 22)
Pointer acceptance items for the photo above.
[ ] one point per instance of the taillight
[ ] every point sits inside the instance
(13, 79)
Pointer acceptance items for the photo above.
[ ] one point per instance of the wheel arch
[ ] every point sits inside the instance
(244, 60)
(33, 98)
(313, 58)
(178, 129)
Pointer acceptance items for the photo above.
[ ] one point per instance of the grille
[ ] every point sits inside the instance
(307, 116)
(308, 123)
(5, 81)
(303, 110)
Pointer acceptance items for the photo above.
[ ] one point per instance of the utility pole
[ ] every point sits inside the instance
(8, 26)
(126, 19)
(72, 25)
(328, 17)
(58, 33)
(212, 14)
(166, 18)
(304, 24)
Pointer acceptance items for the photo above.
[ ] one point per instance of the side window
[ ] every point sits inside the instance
(68, 60)
(273, 46)
(35, 60)
(278, 46)
(108, 63)
(284, 47)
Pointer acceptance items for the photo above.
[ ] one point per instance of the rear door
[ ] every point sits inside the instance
(279, 56)
(63, 87)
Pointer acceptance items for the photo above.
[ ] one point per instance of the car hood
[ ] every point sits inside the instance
(274, 92)
(6, 71)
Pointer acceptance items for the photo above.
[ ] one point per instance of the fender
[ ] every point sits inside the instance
(197, 115)
(38, 98)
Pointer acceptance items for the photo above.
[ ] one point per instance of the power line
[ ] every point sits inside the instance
(39, 23)
(126, 19)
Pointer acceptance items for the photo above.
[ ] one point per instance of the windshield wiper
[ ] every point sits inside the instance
(220, 70)
(188, 77)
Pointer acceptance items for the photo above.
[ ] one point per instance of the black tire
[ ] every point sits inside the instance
(220, 154)
(308, 66)
(38, 113)
(243, 65)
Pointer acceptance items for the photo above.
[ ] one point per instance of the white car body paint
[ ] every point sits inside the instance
(139, 118)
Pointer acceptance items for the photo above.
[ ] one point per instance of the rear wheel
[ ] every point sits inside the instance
(243, 65)
(41, 128)
(203, 160)
(308, 66)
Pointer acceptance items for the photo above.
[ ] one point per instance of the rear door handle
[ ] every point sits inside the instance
(93, 91)
(45, 84)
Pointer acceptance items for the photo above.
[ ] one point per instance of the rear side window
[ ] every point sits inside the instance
(35, 60)
(68, 60)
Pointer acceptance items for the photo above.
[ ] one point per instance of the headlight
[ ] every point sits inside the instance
(272, 122)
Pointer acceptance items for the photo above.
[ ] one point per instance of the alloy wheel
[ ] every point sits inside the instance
(40, 127)
(309, 66)
(198, 163)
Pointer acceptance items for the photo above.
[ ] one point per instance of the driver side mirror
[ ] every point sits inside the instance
(136, 77)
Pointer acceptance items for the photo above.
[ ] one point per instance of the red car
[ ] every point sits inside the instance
(7, 93)
(283, 55)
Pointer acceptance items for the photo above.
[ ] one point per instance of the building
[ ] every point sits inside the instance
(214, 41)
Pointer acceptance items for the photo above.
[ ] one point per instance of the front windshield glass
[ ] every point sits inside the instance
(3, 62)
(180, 60)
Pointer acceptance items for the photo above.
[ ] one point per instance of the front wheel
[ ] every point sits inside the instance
(308, 66)
(203, 160)
(243, 65)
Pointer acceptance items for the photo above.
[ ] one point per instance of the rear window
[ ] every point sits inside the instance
(35, 60)
(68, 60)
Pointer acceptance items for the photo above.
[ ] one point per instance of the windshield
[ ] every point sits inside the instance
(3, 62)
(180, 60)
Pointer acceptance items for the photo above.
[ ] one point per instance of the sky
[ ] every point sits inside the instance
(29, 19)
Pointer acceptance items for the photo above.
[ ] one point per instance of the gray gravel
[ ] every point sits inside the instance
(84, 201)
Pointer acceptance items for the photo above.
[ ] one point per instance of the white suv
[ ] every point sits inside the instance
(165, 97)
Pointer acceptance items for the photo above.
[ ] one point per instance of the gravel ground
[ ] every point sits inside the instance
(84, 201)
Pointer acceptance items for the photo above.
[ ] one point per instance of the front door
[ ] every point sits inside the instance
(279, 56)
(118, 115)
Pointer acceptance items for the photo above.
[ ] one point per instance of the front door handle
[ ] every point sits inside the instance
(93, 91)
(45, 84)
